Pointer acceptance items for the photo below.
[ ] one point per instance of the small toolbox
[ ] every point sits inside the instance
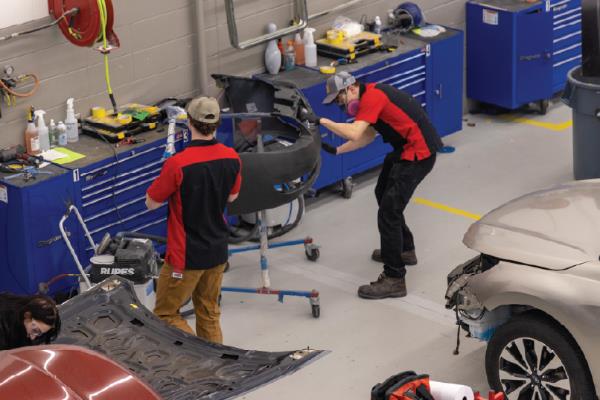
(131, 119)
(337, 46)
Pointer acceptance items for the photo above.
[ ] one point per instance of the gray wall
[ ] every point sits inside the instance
(158, 54)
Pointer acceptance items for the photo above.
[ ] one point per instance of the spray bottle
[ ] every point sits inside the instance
(71, 123)
(310, 48)
(42, 130)
(32, 139)
(299, 48)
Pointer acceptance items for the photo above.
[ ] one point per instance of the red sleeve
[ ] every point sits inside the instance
(166, 183)
(371, 105)
(238, 181)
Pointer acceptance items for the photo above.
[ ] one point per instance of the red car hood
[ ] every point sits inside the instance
(68, 373)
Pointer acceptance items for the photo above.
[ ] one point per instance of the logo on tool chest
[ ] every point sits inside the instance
(117, 271)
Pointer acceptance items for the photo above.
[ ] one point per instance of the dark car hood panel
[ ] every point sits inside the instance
(110, 320)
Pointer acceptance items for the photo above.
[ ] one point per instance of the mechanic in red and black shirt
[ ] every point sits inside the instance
(198, 183)
(403, 123)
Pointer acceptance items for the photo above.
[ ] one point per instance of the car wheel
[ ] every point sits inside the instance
(531, 357)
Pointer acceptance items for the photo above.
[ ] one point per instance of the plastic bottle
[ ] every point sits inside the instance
(299, 48)
(53, 133)
(32, 139)
(272, 53)
(377, 25)
(42, 130)
(290, 56)
(170, 147)
(71, 123)
(62, 134)
(310, 48)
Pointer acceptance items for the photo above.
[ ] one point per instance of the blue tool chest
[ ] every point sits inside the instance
(31, 247)
(430, 69)
(519, 52)
(108, 187)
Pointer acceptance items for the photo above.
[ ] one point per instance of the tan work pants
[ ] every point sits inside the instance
(204, 287)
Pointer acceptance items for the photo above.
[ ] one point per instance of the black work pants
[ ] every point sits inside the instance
(396, 184)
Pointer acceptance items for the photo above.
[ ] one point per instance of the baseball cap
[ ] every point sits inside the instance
(204, 109)
(337, 83)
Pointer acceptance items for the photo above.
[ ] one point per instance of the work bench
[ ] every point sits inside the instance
(431, 69)
(108, 186)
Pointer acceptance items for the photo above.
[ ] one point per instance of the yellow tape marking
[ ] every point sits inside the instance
(446, 208)
(546, 125)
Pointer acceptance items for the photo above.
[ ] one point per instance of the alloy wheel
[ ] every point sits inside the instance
(530, 370)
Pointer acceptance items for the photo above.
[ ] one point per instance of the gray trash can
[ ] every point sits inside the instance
(582, 94)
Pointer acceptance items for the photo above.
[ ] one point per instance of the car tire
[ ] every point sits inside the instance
(547, 349)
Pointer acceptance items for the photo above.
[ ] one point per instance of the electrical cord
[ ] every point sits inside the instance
(114, 179)
(66, 14)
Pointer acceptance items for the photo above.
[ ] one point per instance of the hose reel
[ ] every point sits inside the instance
(84, 28)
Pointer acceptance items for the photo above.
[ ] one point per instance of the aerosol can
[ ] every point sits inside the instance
(173, 114)
(170, 147)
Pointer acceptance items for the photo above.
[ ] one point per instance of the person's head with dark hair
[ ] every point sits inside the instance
(41, 319)
(203, 117)
(27, 320)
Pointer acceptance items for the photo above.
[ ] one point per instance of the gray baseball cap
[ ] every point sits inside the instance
(337, 83)
(204, 109)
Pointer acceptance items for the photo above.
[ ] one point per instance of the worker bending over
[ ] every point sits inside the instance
(403, 123)
(27, 320)
(198, 183)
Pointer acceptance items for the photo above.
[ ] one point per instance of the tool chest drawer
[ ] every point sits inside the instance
(129, 161)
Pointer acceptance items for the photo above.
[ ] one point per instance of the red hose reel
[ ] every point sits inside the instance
(84, 27)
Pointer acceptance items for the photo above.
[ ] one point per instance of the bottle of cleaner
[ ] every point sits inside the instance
(377, 25)
(71, 123)
(62, 134)
(32, 139)
(53, 133)
(290, 56)
(310, 48)
(272, 53)
(42, 130)
(299, 48)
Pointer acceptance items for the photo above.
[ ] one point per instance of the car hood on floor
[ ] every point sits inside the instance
(109, 319)
(555, 228)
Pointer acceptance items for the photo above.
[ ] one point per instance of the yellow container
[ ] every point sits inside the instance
(335, 36)
(98, 112)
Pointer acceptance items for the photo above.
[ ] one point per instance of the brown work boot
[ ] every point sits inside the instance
(409, 257)
(384, 287)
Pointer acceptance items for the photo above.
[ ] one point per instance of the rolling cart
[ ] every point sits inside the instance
(311, 251)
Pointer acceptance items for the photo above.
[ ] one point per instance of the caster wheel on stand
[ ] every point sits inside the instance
(316, 310)
(312, 254)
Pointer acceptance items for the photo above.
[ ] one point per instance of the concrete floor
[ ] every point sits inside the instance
(495, 160)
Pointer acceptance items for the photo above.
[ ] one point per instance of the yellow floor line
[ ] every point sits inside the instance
(546, 125)
(446, 208)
